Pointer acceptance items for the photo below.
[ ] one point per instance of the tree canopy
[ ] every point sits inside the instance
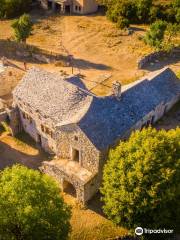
(13, 8)
(31, 206)
(141, 180)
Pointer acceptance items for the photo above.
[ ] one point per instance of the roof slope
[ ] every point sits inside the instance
(103, 119)
(108, 119)
(53, 96)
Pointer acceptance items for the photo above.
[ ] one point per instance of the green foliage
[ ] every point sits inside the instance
(13, 8)
(143, 9)
(22, 28)
(141, 180)
(121, 9)
(122, 23)
(155, 36)
(176, 6)
(31, 206)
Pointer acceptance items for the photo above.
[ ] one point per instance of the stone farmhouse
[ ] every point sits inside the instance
(78, 127)
(70, 6)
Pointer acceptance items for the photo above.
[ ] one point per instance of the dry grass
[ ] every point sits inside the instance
(97, 46)
(89, 225)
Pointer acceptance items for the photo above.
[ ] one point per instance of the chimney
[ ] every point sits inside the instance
(116, 89)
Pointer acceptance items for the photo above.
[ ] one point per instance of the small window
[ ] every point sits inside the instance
(76, 8)
(75, 155)
(24, 115)
(42, 128)
(76, 138)
(79, 9)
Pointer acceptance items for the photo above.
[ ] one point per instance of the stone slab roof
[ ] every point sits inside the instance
(72, 168)
(108, 119)
(103, 119)
(52, 96)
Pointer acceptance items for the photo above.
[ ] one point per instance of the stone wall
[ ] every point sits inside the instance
(71, 137)
(156, 57)
(61, 176)
(33, 126)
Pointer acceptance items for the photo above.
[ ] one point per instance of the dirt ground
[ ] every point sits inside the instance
(101, 52)
(20, 150)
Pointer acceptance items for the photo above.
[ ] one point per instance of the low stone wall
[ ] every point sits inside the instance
(150, 58)
(156, 57)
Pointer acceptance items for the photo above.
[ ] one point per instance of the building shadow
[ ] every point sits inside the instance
(10, 155)
(96, 204)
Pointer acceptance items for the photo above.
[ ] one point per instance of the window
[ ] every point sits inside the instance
(75, 155)
(79, 9)
(46, 130)
(76, 8)
(76, 138)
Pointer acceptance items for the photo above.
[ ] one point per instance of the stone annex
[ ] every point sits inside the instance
(70, 6)
(78, 127)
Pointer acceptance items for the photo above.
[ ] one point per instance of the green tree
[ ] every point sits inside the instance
(13, 8)
(143, 9)
(31, 206)
(176, 6)
(155, 36)
(141, 180)
(22, 28)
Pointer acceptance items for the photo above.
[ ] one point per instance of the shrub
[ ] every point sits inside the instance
(155, 36)
(122, 23)
(141, 180)
(22, 28)
(31, 206)
(143, 9)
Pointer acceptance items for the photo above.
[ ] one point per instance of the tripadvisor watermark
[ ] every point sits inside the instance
(139, 231)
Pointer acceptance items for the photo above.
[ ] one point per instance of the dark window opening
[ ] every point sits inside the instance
(152, 119)
(76, 8)
(75, 155)
(67, 9)
(69, 188)
(58, 7)
(49, 5)
(80, 9)
(39, 139)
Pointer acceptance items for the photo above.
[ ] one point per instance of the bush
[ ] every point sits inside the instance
(141, 180)
(13, 8)
(143, 9)
(22, 28)
(155, 36)
(31, 206)
(122, 23)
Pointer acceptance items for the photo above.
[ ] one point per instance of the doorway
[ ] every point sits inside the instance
(57, 7)
(69, 188)
(75, 155)
(67, 9)
(49, 5)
